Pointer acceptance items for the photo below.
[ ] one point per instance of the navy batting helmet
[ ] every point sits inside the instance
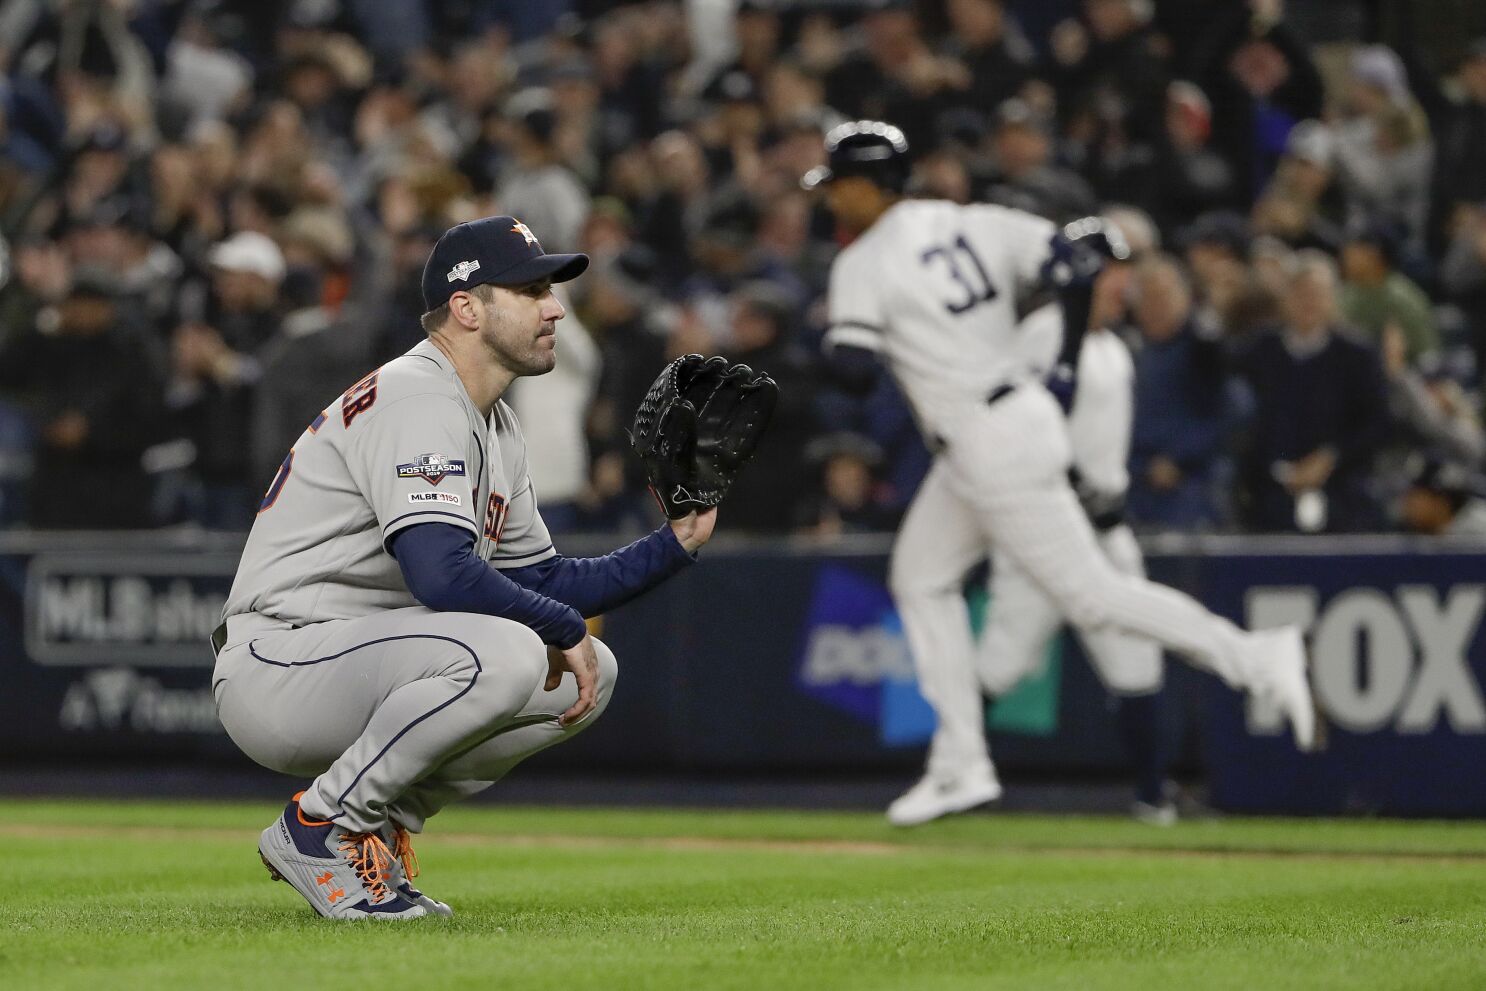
(867, 148)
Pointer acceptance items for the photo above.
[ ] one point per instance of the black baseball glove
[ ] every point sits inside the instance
(697, 426)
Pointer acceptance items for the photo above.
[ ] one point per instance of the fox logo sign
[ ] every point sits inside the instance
(1381, 661)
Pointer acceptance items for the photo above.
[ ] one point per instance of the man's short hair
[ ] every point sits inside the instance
(434, 318)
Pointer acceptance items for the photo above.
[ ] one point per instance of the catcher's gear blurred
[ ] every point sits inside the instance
(698, 424)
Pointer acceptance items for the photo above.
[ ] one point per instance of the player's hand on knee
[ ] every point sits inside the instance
(584, 663)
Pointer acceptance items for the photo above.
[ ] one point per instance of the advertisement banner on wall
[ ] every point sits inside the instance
(1397, 662)
(103, 647)
(771, 656)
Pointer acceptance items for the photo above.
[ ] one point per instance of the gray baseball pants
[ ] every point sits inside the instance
(396, 714)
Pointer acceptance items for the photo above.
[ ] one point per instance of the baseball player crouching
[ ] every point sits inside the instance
(931, 287)
(401, 628)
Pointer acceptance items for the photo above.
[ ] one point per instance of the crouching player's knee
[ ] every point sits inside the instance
(608, 675)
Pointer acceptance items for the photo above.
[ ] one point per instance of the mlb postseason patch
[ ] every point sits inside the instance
(447, 498)
(432, 468)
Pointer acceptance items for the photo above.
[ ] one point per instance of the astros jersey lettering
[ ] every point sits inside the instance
(933, 285)
(403, 446)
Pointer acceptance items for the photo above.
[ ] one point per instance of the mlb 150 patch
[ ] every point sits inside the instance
(432, 468)
(446, 498)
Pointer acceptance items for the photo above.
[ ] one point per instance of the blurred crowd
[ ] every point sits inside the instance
(216, 212)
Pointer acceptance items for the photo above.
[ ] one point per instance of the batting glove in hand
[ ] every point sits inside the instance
(1078, 253)
(697, 426)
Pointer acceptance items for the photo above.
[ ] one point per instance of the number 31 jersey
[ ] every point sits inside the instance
(403, 446)
(933, 286)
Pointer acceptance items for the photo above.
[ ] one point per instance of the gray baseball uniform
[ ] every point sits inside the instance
(330, 667)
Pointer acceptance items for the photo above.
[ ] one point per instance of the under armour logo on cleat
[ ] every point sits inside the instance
(335, 894)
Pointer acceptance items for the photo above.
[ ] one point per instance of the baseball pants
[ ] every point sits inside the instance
(1001, 484)
(1023, 619)
(395, 714)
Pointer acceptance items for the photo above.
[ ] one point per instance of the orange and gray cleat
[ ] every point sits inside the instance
(405, 868)
(343, 875)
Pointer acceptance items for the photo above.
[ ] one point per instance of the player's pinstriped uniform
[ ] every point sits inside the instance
(317, 594)
(1022, 617)
(932, 285)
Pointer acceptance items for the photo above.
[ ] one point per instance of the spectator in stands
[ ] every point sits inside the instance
(1320, 414)
(1183, 404)
(758, 336)
(317, 348)
(1189, 177)
(1262, 82)
(999, 58)
(1463, 273)
(1376, 296)
(1384, 154)
(1445, 499)
(846, 496)
(1459, 180)
(537, 187)
(1430, 414)
(91, 377)
(1027, 177)
(1302, 205)
(216, 371)
(1111, 63)
(895, 75)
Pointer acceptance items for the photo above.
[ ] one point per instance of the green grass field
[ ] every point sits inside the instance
(118, 895)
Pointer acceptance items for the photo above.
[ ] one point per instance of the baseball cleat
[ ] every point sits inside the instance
(1283, 680)
(405, 867)
(1163, 814)
(343, 875)
(935, 796)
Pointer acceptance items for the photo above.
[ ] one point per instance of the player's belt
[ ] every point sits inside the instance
(219, 638)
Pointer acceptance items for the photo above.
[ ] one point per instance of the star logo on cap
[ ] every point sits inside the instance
(525, 232)
(462, 271)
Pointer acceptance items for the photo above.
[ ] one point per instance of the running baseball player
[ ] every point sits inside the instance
(1022, 618)
(932, 287)
(401, 628)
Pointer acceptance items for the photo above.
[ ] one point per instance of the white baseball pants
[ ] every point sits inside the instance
(1023, 618)
(1001, 483)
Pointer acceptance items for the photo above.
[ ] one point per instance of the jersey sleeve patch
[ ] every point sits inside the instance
(432, 468)
(443, 498)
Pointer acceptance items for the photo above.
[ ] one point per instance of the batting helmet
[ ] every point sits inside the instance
(868, 148)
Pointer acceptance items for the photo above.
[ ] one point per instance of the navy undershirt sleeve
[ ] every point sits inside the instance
(444, 573)
(594, 585)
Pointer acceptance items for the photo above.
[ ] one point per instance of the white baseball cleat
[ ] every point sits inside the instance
(405, 867)
(1282, 678)
(1162, 815)
(936, 796)
(343, 875)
